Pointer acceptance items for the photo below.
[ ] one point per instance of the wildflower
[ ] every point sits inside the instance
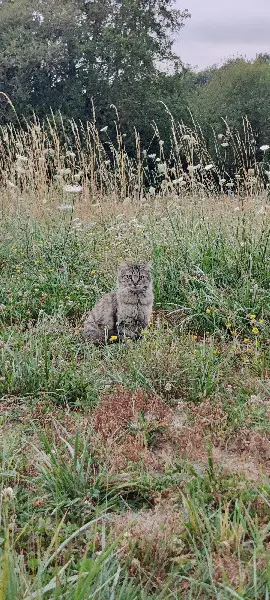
(51, 270)
(220, 136)
(7, 494)
(140, 230)
(238, 177)
(225, 145)
(208, 311)
(72, 189)
(37, 262)
(65, 207)
(70, 154)
(229, 184)
(222, 181)
(144, 332)
(255, 330)
(236, 209)
(264, 148)
(104, 129)
(11, 184)
(194, 337)
(216, 352)
(208, 167)
(228, 325)
(15, 249)
(161, 168)
(152, 191)
(168, 387)
(113, 338)
(261, 321)
(252, 316)
(161, 143)
(246, 340)
(107, 163)
(93, 272)
(152, 156)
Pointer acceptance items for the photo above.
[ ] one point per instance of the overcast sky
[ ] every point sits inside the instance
(220, 29)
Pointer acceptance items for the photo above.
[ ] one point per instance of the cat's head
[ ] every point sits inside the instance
(134, 276)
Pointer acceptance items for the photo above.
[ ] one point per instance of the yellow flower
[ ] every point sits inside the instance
(234, 331)
(216, 352)
(15, 249)
(37, 262)
(151, 324)
(261, 321)
(252, 316)
(144, 332)
(208, 310)
(140, 230)
(50, 270)
(194, 337)
(246, 340)
(113, 338)
(107, 248)
(255, 330)
(93, 272)
(228, 325)
(18, 270)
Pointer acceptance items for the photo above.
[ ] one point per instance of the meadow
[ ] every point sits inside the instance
(133, 472)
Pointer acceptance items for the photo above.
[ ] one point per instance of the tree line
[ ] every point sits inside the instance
(80, 57)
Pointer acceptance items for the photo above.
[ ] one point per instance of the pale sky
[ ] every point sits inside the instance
(221, 29)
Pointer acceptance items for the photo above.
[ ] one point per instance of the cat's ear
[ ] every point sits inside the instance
(122, 264)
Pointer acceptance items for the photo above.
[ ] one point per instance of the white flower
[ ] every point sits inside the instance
(225, 145)
(220, 136)
(265, 147)
(192, 168)
(144, 152)
(72, 189)
(237, 176)
(178, 181)
(236, 209)
(161, 142)
(158, 159)
(7, 494)
(209, 167)
(65, 207)
(152, 191)
(221, 181)
(70, 154)
(161, 168)
(22, 158)
(152, 156)
(229, 184)
(107, 163)
(104, 129)
(11, 185)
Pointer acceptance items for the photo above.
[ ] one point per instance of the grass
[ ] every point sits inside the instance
(138, 472)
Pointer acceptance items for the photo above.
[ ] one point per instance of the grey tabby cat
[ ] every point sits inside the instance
(126, 311)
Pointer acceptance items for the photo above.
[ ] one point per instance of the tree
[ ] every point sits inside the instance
(62, 54)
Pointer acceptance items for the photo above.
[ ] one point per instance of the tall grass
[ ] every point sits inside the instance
(38, 156)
